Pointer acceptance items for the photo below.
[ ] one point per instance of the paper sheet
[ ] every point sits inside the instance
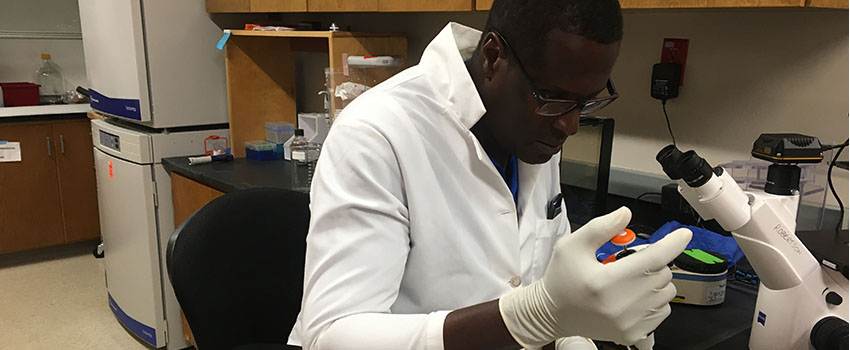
(10, 151)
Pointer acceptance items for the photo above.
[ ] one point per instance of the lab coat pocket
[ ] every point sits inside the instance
(544, 243)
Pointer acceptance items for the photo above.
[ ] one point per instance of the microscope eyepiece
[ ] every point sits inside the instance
(695, 170)
(668, 157)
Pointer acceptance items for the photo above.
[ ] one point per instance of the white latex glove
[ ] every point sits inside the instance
(575, 343)
(646, 343)
(621, 302)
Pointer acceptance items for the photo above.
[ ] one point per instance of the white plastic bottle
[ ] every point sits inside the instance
(49, 76)
(305, 154)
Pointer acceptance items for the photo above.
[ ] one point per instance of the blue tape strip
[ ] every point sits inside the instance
(689, 277)
(142, 331)
(127, 108)
(223, 40)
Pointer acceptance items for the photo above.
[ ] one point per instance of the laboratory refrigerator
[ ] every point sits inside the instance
(156, 76)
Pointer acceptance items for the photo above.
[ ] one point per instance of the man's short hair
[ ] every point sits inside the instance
(525, 23)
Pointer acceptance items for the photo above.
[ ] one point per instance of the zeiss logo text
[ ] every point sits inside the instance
(787, 237)
(133, 109)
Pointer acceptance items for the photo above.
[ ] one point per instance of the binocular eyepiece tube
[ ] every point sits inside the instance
(688, 166)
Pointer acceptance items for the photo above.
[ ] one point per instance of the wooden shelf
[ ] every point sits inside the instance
(260, 67)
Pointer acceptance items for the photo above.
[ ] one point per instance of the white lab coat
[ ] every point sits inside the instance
(410, 219)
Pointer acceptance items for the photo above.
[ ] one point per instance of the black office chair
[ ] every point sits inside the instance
(237, 268)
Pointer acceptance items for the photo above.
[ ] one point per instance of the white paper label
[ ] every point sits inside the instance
(715, 293)
(299, 155)
(10, 151)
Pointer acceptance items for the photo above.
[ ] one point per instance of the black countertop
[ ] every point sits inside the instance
(241, 173)
(718, 327)
(725, 326)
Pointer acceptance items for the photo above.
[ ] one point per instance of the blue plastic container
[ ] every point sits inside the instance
(260, 150)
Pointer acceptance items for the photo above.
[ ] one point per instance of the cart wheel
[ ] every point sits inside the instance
(98, 251)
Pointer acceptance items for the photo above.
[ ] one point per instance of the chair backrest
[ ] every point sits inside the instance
(237, 267)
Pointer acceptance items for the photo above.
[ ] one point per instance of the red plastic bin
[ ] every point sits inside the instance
(20, 94)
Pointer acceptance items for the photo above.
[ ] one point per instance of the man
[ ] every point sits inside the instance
(436, 208)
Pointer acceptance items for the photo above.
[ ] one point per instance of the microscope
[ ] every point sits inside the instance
(801, 304)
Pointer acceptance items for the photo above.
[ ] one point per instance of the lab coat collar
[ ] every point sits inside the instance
(443, 63)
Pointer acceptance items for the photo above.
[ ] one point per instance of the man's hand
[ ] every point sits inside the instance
(622, 301)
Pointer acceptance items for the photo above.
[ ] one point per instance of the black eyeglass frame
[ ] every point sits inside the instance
(587, 107)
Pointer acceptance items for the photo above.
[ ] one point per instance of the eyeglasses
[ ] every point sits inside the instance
(550, 107)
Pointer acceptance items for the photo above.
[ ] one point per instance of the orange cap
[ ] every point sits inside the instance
(45, 56)
(624, 238)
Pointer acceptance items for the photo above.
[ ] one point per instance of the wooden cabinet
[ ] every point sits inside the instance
(278, 5)
(835, 4)
(224, 6)
(484, 5)
(187, 196)
(641, 4)
(235, 6)
(30, 210)
(77, 183)
(342, 5)
(424, 5)
(49, 197)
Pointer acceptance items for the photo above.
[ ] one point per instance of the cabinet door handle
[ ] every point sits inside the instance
(62, 143)
(49, 148)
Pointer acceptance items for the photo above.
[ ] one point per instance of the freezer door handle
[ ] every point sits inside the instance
(62, 143)
(49, 148)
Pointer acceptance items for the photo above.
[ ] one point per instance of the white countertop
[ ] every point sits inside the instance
(7, 112)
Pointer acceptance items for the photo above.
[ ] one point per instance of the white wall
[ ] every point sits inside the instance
(19, 58)
(749, 71)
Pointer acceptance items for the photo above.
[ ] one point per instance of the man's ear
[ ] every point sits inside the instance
(492, 55)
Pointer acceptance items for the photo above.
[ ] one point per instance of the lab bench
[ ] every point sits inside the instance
(725, 326)
(193, 186)
(239, 174)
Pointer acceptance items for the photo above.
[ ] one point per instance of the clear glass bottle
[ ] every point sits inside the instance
(305, 154)
(49, 76)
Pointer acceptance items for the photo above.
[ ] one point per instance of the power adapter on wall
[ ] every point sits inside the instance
(665, 81)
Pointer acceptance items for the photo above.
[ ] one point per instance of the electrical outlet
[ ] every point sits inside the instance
(675, 51)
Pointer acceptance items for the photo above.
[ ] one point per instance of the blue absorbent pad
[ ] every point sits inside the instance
(702, 239)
